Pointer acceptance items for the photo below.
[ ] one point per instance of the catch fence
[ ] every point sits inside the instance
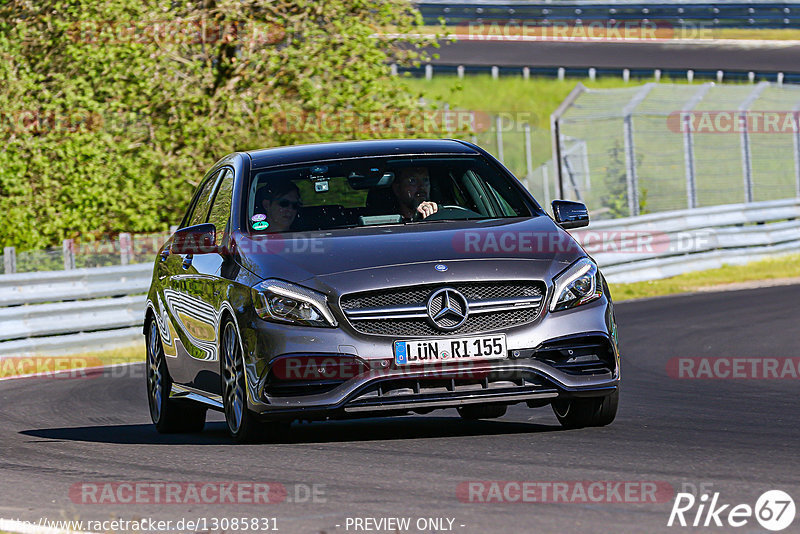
(661, 147)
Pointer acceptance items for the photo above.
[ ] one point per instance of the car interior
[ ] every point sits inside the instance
(339, 196)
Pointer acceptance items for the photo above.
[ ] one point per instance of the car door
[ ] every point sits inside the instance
(184, 277)
(203, 286)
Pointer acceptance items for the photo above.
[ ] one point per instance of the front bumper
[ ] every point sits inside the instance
(501, 383)
(538, 368)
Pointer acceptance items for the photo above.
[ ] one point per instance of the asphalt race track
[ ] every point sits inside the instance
(711, 56)
(736, 437)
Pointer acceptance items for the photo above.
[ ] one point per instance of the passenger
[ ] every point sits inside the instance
(412, 188)
(280, 203)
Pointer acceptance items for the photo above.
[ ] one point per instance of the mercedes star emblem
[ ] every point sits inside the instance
(447, 309)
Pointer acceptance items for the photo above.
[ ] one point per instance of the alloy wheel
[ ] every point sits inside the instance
(155, 377)
(233, 379)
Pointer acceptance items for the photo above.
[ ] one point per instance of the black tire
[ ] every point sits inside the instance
(579, 413)
(169, 415)
(243, 425)
(473, 412)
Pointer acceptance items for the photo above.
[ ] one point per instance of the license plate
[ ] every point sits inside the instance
(449, 350)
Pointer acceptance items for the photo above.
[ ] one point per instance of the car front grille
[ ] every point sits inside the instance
(403, 311)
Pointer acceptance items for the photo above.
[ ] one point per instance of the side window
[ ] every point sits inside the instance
(199, 211)
(221, 209)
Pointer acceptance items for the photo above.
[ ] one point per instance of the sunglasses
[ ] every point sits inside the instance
(287, 203)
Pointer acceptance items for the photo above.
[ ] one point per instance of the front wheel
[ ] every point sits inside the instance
(579, 413)
(168, 415)
(243, 425)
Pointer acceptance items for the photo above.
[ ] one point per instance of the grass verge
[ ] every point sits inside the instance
(514, 98)
(536, 97)
(770, 269)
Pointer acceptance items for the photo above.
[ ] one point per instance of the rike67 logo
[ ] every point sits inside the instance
(774, 510)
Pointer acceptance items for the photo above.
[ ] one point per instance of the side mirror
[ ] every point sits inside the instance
(570, 214)
(197, 239)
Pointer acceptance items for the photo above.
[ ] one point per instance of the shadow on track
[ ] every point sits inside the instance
(414, 427)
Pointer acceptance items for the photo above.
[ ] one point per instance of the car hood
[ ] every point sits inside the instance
(491, 248)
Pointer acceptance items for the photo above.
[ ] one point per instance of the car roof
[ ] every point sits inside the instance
(295, 154)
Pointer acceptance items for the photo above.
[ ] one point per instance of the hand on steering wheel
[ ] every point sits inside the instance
(425, 209)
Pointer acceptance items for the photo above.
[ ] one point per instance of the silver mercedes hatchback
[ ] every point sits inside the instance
(375, 278)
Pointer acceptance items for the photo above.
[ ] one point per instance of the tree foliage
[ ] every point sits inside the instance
(110, 110)
(616, 184)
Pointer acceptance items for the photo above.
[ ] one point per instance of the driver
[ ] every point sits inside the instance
(411, 188)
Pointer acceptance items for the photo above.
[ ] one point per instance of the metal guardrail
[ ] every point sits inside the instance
(750, 14)
(659, 268)
(64, 312)
(563, 73)
(660, 245)
(73, 343)
(98, 314)
(679, 20)
(75, 284)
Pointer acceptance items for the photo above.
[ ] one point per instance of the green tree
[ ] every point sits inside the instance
(615, 180)
(111, 110)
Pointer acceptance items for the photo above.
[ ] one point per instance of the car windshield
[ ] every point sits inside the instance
(379, 191)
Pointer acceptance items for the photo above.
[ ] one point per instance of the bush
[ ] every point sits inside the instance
(111, 111)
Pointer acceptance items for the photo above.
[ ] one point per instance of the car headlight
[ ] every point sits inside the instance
(277, 300)
(578, 284)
